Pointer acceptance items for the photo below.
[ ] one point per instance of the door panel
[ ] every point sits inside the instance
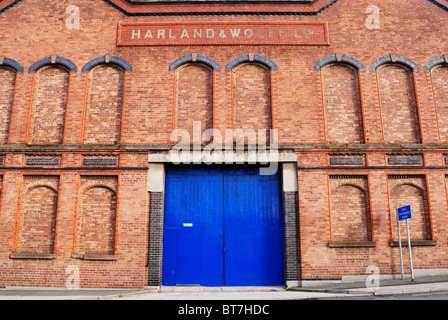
(193, 227)
(223, 226)
(253, 233)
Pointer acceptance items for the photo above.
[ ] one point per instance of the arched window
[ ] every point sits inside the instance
(398, 104)
(104, 105)
(39, 204)
(194, 98)
(49, 105)
(409, 191)
(343, 117)
(7, 87)
(252, 110)
(349, 208)
(439, 75)
(97, 215)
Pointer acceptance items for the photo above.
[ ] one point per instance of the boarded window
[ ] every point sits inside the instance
(39, 206)
(7, 85)
(440, 84)
(98, 211)
(350, 217)
(410, 191)
(252, 98)
(398, 106)
(342, 104)
(194, 99)
(104, 107)
(49, 105)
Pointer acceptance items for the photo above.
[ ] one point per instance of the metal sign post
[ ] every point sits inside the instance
(410, 251)
(404, 213)
(399, 243)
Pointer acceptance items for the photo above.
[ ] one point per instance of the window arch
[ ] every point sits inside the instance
(126, 66)
(339, 58)
(53, 60)
(412, 66)
(194, 57)
(252, 58)
(343, 116)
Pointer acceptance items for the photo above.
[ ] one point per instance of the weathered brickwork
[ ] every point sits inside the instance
(8, 82)
(251, 97)
(104, 107)
(349, 208)
(410, 190)
(194, 99)
(49, 106)
(440, 85)
(399, 111)
(343, 119)
(38, 211)
(364, 111)
(97, 215)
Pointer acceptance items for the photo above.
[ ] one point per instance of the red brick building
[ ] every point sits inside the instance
(91, 92)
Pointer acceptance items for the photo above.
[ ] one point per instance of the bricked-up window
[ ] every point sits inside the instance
(440, 85)
(194, 97)
(398, 105)
(98, 210)
(38, 212)
(49, 105)
(409, 190)
(104, 106)
(252, 98)
(349, 208)
(7, 86)
(343, 118)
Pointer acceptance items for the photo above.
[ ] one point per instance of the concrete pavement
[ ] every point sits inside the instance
(337, 289)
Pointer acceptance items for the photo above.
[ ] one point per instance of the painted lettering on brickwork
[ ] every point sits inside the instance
(147, 34)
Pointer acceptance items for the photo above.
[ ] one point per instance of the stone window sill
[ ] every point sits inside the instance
(95, 257)
(352, 244)
(414, 243)
(33, 256)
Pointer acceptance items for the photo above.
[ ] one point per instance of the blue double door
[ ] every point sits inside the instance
(222, 227)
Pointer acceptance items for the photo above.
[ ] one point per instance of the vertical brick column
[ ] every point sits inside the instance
(290, 247)
(155, 252)
(156, 188)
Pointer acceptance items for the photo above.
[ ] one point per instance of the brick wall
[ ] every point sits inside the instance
(440, 85)
(251, 97)
(343, 119)
(39, 205)
(410, 190)
(49, 106)
(376, 112)
(349, 208)
(104, 108)
(399, 112)
(97, 216)
(194, 98)
(8, 81)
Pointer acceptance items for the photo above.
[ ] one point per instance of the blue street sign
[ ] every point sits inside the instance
(404, 213)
